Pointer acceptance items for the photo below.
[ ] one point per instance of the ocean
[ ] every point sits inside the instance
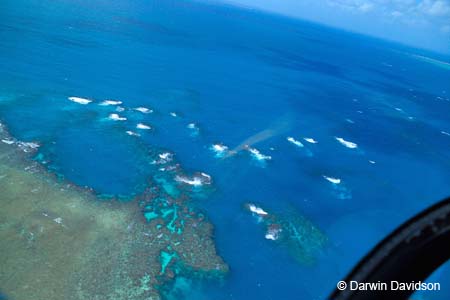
(302, 145)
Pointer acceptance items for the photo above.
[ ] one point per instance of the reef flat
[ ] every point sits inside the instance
(59, 241)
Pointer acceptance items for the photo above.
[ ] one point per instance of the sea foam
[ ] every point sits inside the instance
(273, 233)
(191, 181)
(28, 146)
(143, 126)
(163, 158)
(346, 143)
(110, 102)
(257, 210)
(195, 131)
(144, 110)
(132, 133)
(8, 142)
(311, 140)
(79, 100)
(197, 180)
(333, 180)
(116, 117)
(295, 142)
(258, 155)
(220, 150)
(192, 126)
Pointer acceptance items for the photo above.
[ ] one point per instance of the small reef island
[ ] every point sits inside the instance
(60, 241)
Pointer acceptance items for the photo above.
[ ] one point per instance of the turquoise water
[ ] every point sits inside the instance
(374, 115)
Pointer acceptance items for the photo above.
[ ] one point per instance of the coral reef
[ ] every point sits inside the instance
(296, 233)
(58, 241)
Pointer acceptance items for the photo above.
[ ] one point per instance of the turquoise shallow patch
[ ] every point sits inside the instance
(165, 260)
(180, 229)
(171, 225)
(150, 215)
(166, 212)
(168, 187)
(39, 157)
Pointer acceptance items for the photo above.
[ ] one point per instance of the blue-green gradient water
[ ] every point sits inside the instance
(375, 116)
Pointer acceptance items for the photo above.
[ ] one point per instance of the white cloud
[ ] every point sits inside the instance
(439, 8)
(419, 12)
(409, 21)
(396, 14)
(431, 7)
(363, 6)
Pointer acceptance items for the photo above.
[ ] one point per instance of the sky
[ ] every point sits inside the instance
(420, 23)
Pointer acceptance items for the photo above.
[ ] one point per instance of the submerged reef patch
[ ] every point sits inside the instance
(58, 241)
(303, 240)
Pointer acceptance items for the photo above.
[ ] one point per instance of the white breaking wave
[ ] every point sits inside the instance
(197, 180)
(273, 233)
(346, 143)
(24, 146)
(116, 117)
(32, 145)
(195, 131)
(164, 158)
(257, 210)
(79, 100)
(311, 140)
(258, 155)
(220, 150)
(9, 142)
(58, 220)
(143, 126)
(120, 109)
(295, 142)
(173, 114)
(207, 176)
(332, 179)
(168, 168)
(445, 133)
(110, 102)
(132, 133)
(28, 146)
(144, 110)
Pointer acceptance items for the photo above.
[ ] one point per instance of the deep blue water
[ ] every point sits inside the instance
(235, 73)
